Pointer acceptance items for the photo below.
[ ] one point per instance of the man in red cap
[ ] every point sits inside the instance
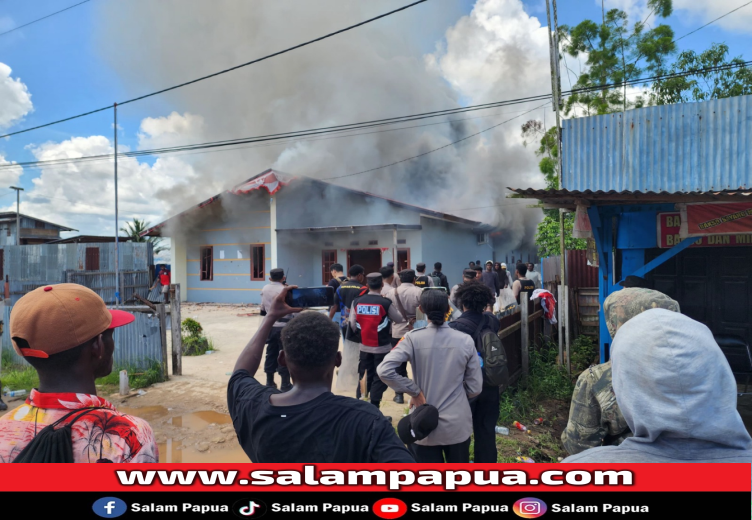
(65, 332)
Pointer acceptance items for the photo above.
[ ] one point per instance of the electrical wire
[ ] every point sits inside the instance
(366, 124)
(712, 21)
(434, 150)
(42, 18)
(225, 71)
(294, 136)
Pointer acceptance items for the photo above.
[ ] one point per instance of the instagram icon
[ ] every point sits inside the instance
(530, 507)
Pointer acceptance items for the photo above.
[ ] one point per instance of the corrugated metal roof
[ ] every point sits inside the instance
(243, 188)
(569, 198)
(674, 148)
(10, 216)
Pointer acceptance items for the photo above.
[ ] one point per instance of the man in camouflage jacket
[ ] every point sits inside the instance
(594, 416)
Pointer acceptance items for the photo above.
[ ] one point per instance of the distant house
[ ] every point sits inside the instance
(33, 230)
(90, 239)
(223, 249)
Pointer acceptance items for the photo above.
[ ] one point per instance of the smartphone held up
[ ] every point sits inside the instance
(308, 297)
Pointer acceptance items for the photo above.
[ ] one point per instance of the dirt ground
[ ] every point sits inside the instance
(189, 413)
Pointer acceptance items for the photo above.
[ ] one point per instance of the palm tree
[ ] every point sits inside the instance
(134, 230)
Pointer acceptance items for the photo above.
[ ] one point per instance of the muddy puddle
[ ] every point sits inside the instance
(204, 436)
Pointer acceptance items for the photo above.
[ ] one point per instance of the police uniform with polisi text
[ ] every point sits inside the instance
(371, 317)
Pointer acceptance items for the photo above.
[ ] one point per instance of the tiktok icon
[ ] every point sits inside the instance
(249, 508)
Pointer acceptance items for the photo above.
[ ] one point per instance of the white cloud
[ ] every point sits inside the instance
(81, 195)
(703, 12)
(15, 99)
(9, 176)
(496, 52)
(173, 130)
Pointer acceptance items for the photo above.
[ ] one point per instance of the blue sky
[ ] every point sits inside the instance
(61, 62)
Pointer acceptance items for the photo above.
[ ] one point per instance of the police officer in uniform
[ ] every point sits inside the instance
(371, 316)
(522, 284)
(422, 280)
(274, 342)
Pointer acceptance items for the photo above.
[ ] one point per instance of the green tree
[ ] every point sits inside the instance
(547, 150)
(134, 229)
(715, 84)
(615, 54)
(547, 237)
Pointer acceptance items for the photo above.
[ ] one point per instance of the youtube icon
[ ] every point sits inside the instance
(389, 508)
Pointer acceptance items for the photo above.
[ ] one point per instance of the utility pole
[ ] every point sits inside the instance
(18, 213)
(117, 240)
(556, 96)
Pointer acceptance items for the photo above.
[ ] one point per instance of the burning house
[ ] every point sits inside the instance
(223, 248)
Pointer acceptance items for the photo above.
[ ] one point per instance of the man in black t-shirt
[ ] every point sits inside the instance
(309, 423)
(338, 276)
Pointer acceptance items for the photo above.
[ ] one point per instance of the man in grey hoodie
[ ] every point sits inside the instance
(677, 393)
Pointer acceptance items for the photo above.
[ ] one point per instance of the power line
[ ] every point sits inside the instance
(223, 71)
(280, 136)
(712, 21)
(435, 149)
(362, 125)
(42, 18)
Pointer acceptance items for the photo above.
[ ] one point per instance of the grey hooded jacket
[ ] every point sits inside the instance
(677, 393)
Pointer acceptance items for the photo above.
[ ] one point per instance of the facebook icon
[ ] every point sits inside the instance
(109, 507)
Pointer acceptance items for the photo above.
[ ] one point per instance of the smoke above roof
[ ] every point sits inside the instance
(427, 58)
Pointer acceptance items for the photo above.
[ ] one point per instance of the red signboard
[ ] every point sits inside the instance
(669, 225)
(728, 218)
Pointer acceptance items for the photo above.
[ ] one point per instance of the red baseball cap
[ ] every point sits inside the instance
(59, 317)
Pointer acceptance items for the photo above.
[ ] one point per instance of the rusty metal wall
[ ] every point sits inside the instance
(136, 344)
(587, 301)
(675, 148)
(579, 274)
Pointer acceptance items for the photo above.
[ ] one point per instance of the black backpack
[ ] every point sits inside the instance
(53, 444)
(487, 342)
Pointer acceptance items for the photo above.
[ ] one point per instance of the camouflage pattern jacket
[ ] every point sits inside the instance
(594, 417)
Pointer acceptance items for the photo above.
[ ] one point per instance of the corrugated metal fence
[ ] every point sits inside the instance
(582, 281)
(675, 148)
(579, 274)
(32, 266)
(136, 344)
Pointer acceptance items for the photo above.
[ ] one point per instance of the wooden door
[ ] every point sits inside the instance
(328, 259)
(403, 260)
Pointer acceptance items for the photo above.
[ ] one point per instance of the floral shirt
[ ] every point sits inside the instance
(103, 435)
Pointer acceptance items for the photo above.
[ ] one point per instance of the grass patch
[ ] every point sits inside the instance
(19, 378)
(545, 393)
(25, 377)
(195, 343)
(137, 377)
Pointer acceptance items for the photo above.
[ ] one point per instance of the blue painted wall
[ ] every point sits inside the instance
(233, 223)
(636, 231)
(453, 245)
(313, 205)
(230, 226)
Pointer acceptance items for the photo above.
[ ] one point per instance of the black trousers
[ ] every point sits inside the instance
(485, 409)
(273, 346)
(368, 363)
(454, 453)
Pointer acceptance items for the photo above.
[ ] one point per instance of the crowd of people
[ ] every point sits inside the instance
(666, 395)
